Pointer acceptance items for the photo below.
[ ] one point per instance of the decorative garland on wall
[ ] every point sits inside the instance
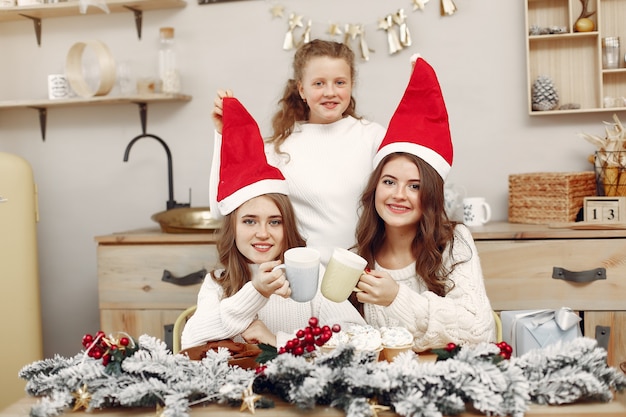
(394, 24)
(146, 374)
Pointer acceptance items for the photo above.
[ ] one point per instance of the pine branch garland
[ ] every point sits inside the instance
(352, 381)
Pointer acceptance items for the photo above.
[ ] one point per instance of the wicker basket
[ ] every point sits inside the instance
(548, 197)
(611, 173)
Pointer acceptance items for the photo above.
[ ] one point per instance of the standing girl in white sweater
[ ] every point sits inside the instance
(248, 300)
(426, 273)
(321, 145)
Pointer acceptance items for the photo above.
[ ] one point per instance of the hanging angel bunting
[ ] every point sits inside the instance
(400, 19)
(448, 7)
(306, 36)
(294, 22)
(354, 31)
(419, 4)
(365, 51)
(393, 41)
(395, 26)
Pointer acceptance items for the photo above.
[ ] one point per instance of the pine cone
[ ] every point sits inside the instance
(544, 94)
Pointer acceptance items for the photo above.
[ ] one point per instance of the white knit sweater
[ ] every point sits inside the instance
(219, 318)
(327, 167)
(463, 316)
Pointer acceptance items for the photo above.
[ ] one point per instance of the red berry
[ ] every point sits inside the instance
(317, 331)
(87, 339)
(260, 369)
(310, 348)
(450, 347)
(281, 350)
(320, 341)
(313, 321)
(309, 339)
(326, 328)
(124, 341)
(308, 330)
(96, 354)
(300, 333)
(336, 328)
(298, 351)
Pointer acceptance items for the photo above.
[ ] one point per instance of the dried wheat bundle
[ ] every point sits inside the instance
(610, 157)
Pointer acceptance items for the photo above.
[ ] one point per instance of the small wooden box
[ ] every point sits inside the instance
(548, 197)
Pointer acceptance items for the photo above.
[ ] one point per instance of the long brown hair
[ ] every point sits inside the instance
(291, 106)
(434, 232)
(236, 266)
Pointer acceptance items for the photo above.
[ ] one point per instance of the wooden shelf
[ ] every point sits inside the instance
(573, 60)
(36, 13)
(70, 8)
(141, 100)
(69, 102)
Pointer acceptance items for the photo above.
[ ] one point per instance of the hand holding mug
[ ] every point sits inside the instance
(377, 287)
(269, 280)
(342, 274)
(302, 266)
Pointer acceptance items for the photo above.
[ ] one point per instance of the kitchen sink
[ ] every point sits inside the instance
(187, 220)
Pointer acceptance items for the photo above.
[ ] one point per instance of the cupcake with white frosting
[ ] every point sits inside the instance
(395, 340)
(363, 338)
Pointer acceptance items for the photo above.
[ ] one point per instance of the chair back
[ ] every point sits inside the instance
(179, 325)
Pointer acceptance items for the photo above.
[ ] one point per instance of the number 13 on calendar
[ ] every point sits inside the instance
(605, 209)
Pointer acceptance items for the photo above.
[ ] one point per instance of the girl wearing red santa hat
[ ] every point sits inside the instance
(321, 145)
(425, 271)
(248, 300)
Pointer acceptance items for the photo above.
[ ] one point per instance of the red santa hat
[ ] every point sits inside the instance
(244, 172)
(419, 125)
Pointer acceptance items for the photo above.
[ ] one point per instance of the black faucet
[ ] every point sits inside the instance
(171, 203)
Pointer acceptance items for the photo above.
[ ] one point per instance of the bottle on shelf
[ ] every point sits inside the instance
(168, 70)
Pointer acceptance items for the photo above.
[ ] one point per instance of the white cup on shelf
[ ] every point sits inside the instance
(476, 211)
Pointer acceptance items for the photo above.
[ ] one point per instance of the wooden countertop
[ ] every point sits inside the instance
(616, 408)
(518, 231)
(155, 236)
(490, 231)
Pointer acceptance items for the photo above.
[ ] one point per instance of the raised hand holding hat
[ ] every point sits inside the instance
(244, 172)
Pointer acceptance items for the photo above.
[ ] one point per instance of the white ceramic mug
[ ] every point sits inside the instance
(476, 211)
(342, 274)
(58, 87)
(302, 268)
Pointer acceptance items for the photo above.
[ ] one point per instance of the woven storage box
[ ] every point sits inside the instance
(548, 197)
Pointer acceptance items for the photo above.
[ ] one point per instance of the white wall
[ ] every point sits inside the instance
(86, 190)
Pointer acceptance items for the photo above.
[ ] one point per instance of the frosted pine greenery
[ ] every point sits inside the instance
(345, 379)
(544, 94)
(565, 373)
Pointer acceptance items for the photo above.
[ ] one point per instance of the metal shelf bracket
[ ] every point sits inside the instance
(143, 116)
(138, 19)
(37, 23)
(43, 113)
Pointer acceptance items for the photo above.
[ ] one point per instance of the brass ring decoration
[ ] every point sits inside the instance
(74, 68)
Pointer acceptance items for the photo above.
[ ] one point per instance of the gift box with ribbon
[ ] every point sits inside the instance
(525, 330)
